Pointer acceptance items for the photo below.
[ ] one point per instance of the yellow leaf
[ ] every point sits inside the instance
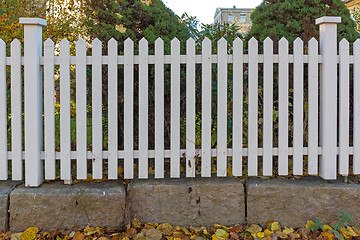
(185, 231)
(326, 228)
(260, 235)
(348, 232)
(221, 234)
(165, 228)
(120, 28)
(254, 228)
(327, 235)
(147, 2)
(218, 226)
(268, 232)
(275, 226)
(309, 224)
(118, 15)
(136, 223)
(288, 230)
(125, 238)
(29, 233)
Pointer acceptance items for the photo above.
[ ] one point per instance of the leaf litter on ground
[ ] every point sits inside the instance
(136, 230)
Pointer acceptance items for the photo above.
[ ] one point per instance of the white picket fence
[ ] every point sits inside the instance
(331, 148)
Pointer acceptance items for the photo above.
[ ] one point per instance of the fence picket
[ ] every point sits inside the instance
(49, 110)
(206, 108)
(16, 110)
(344, 107)
(268, 107)
(175, 109)
(238, 90)
(3, 114)
(313, 108)
(129, 109)
(356, 97)
(298, 135)
(190, 108)
(159, 108)
(65, 117)
(81, 110)
(113, 109)
(97, 144)
(283, 106)
(253, 108)
(143, 109)
(222, 109)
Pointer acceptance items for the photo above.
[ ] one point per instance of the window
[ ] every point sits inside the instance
(243, 18)
(230, 18)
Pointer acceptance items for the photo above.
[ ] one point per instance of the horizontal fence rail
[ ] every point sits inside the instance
(238, 112)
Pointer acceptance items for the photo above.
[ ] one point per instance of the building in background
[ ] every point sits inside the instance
(351, 4)
(239, 16)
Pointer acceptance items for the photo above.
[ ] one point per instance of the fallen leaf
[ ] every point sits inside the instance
(221, 234)
(29, 233)
(135, 223)
(281, 234)
(165, 228)
(288, 230)
(275, 226)
(120, 28)
(310, 225)
(326, 228)
(254, 228)
(78, 236)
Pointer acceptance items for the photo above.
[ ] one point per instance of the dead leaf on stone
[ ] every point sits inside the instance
(281, 234)
(79, 236)
(135, 223)
(153, 234)
(254, 228)
(15, 236)
(29, 233)
(287, 231)
(165, 228)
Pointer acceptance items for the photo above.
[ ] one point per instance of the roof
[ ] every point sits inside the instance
(232, 9)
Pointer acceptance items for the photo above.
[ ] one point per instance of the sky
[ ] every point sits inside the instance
(204, 10)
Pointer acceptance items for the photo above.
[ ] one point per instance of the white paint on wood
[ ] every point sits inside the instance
(16, 110)
(49, 110)
(129, 109)
(222, 109)
(313, 108)
(328, 89)
(238, 91)
(253, 108)
(3, 114)
(283, 106)
(143, 109)
(175, 109)
(344, 107)
(97, 138)
(298, 109)
(206, 108)
(81, 110)
(356, 86)
(113, 133)
(65, 117)
(159, 108)
(190, 108)
(268, 107)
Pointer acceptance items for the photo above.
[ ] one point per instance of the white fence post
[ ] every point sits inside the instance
(328, 96)
(33, 99)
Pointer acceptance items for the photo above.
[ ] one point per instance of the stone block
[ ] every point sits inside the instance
(293, 202)
(5, 188)
(55, 205)
(187, 202)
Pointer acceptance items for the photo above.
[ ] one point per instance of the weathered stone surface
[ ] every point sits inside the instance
(5, 188)
(185, 202)
(57, 205)
(293, 202)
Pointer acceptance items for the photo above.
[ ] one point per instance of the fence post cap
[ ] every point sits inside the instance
(32, 21)
(328, 19)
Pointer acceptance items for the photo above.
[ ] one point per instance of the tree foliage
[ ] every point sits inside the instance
(133, 19)
(296, 18)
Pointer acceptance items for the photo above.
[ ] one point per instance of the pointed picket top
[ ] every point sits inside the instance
(80, 41)
(112, 45)
(253, 43)
(159, 41)
(253, 40)
(298, 43)
(190, 41)
(64, 42)
(222, 41)
(283, 41)
(15, 42)
(2, 41)
(143, 41)
(96, 42)
(313, 41)
(49, 43)
(344, 44)
(175, 40)
(206, 40)
(112, 40)
(357, 42)
(128, 40)
(237, 41)
(268, 40)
